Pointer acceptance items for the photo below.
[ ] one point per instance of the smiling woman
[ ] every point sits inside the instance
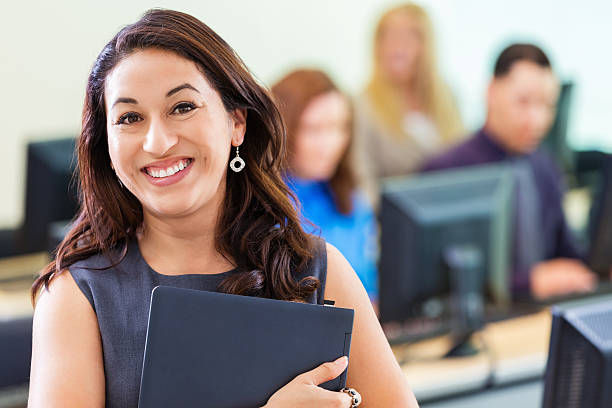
(155, 127)
(166, 101)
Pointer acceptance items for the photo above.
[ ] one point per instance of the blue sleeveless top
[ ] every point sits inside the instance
(120, 297)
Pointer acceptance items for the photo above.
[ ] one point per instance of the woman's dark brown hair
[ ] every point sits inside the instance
(293, 93)
(258, 228)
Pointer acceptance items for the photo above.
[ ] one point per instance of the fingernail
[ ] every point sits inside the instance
(341, 361)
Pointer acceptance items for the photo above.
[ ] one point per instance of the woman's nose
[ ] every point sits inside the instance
(159, 138)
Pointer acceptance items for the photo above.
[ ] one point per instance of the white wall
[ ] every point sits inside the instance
(47, 49)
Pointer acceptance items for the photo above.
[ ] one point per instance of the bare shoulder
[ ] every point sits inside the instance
(342, 283)
(67, 367)
(373, 370)
(62, 288)
(344, 287)
(60, 300)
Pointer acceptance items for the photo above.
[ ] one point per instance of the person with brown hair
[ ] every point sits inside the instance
(321, 169)
(180, 162)
(406, 112)
(521, 101)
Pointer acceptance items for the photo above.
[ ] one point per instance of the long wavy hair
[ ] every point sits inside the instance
(434, 94)
(258, 227)
(293, 93)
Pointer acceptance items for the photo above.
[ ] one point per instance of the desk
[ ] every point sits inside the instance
(523, 395)
(16, 276)
(17, 267)
(515, 350)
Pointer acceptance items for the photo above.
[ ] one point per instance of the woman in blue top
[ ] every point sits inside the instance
(322, 175)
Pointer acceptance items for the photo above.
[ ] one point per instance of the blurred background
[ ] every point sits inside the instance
(47, 50)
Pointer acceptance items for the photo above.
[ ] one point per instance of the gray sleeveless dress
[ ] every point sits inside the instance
(120, 297)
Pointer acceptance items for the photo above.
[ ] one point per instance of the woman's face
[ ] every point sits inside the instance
(400, 46)
(169, 135)
(322, 137)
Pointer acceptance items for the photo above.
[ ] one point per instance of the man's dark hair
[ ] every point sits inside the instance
(519, 52)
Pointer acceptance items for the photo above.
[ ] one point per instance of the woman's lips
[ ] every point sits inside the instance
(170, 173)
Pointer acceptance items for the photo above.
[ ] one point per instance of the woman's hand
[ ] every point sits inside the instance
(304, 391)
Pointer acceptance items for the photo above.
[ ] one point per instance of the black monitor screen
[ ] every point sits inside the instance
(424, 217)
(51, 194)
(579, 368)
(600, 254)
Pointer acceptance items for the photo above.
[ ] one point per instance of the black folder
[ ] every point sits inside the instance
(208, 349)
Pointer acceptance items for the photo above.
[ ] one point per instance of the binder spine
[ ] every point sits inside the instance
(346, 351)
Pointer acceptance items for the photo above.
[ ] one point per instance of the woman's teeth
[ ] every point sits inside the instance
(157, 173)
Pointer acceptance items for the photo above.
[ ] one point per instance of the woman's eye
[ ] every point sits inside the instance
(128, 118)
(183, 107)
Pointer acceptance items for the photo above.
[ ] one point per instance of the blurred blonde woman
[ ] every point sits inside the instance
(406, 113)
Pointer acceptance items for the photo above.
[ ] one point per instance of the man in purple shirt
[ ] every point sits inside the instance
(521, 101)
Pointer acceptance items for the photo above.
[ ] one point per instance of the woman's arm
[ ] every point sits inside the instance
(373, 369)
(67, 368)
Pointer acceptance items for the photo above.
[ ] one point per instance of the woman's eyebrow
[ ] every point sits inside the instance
(180, 87)
(169, 94)
(125, 100)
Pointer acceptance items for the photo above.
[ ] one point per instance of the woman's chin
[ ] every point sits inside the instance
(170, 209)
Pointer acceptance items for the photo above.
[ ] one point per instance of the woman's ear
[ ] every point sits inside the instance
(238, 123)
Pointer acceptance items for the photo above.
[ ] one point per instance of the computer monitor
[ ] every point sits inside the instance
(51, 193)
(600, 252)
(15, 352)
(579, 368)
(556, 141)
(441, 233)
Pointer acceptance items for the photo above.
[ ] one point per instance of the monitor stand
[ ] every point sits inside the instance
(465, 266)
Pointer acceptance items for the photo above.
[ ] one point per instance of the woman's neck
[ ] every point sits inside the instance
(183, 245)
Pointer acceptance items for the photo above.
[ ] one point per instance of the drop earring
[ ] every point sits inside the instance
(237, 164)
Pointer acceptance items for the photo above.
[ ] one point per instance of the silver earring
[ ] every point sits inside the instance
(237, 164)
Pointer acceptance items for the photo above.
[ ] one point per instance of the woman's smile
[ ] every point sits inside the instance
(167, 172)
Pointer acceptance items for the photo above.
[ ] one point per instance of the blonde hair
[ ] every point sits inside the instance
(435, 96)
